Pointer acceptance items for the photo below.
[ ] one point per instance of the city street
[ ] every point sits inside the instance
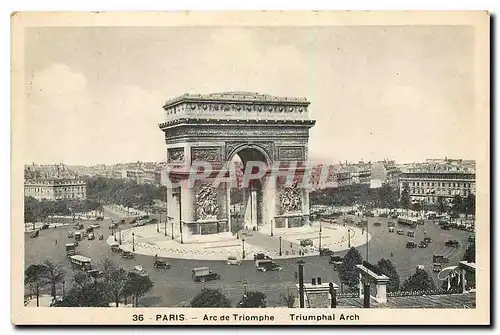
(174, 287)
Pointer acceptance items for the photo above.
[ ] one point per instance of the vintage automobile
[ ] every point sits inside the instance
(79, 226)
(268, 265)
(411, 244)
(95, 226)
(451, 243)
(70, 249)
(383, 215)
(260, 256)
(445, 227)
(336, 261)
(71, 234)
(45, 226)
(122, 221)
(89, 229)
(99, 218)
(161, 264)
(94, 273)
(369, 214)
(401, 232)
(439, 259)
(35, 234)
(391, 229)
(116, 248)
(326, 252)
(410, 233)
(423, 244)
(394, 216)
(91, 236)
(306, 242)
(113, 225)
(437, 267)
(128, 255)
(377, 224)
(232, 260)
(427, 240)
(78, 235)
(203, 274)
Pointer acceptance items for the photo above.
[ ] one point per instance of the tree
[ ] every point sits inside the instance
(115, 278)
(34, 277)
(469, 204)
(457, 204)
(210, 298)
(417, 207)
(137, 286)
(347, 271)
(470, 253)
(386, 267)
(419, 281)
(253, 299)
(54, 274)
(441, 205)
(288, 298)
(405, 197)
(91, 294)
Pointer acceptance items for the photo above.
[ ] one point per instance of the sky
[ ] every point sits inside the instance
(94, 95)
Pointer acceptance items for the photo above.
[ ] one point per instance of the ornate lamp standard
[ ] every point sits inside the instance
(301, 282)
(120, 235)
(272, 224)
(280, 245)
(320, 242)
(243, 244)
(133, 241)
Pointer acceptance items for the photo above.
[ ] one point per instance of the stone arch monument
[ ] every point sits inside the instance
(213, 128)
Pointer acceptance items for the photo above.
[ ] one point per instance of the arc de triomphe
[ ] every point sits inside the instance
(213, 128)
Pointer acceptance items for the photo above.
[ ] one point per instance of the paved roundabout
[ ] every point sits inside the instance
(174, 287)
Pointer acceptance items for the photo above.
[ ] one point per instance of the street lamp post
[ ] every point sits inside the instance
(157, 226)
(133, 241)
(243, 244)
(120, 235)
(63, 282)
(272, 232)
(301, 282)
(280, 245)
(166, 219)
(320, 242)
(172, 221)
(348, 237)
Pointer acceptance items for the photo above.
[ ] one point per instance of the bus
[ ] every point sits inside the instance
(407, 222)
(81, 262)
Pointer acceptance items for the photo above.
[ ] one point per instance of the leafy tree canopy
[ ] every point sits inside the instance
(210, 298)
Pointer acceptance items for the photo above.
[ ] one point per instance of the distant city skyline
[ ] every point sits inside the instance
(95, 95)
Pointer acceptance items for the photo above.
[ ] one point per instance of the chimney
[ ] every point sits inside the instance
(313, 281)
(319, 280)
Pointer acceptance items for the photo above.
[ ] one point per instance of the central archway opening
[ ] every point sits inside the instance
(247, 201)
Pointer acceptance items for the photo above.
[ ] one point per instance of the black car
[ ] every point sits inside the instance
(306, 242)
(452, 243)
(377, 224)
(411, 244)
(268, 266)
(260, 256)
(45, 226)
(326, 252)
(427, 240)
(159, 264)
(422, 244)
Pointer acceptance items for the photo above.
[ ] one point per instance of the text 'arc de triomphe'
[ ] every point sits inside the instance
(213, 128)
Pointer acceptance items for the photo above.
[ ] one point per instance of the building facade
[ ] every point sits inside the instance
(428, 186)
(56, 189)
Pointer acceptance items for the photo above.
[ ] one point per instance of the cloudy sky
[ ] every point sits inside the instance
(95, 95)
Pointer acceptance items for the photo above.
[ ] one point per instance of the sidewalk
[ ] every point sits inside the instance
(148, 241)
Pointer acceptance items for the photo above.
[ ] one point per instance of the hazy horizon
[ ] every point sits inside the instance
(95, 94)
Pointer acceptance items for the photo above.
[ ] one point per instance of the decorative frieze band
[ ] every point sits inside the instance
(291, 153)
(206, 154)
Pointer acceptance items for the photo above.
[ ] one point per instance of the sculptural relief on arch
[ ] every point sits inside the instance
(235, 133)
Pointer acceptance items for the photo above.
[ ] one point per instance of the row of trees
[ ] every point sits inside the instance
(113, 286)
(357, 194)
(39, 210)
(127, 193)
(215, 298)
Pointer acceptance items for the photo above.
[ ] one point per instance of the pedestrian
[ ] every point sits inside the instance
(56, 241)
(392, 253)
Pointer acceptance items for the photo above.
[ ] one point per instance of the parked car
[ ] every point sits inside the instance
(452, 243)
(91, 236)
(422, 244)
(268, 265)
(427, 240)
(439, 259)
(232, 260)
(116, 248)
(326, 252)
(203, 274)
(401, 232)
(377, 224)
(161, 264)
(306, 242)
(410, 233)
(411, 244)
(391, 229)
(128, 255)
